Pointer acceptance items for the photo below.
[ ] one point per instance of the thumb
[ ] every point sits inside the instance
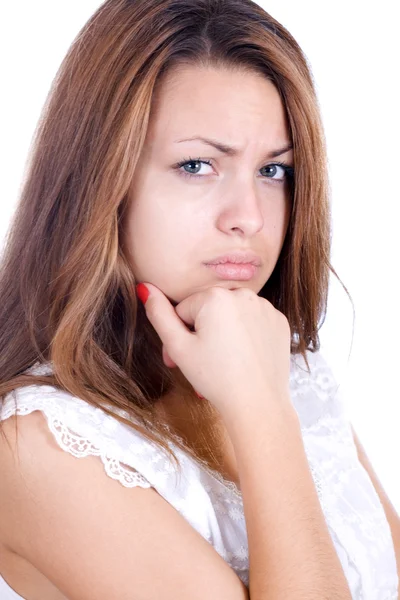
(162, 315)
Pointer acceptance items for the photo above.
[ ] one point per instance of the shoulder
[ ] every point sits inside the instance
(316, 393)
(320, 374)
(84, 531)
(71, 512)
(46, 415)
(78, 428)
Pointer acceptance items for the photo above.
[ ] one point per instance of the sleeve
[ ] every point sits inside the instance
(84, 430)
(127, 456)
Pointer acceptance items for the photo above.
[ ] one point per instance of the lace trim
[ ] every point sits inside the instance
(351, 507)
(46, 369)
(76, 445)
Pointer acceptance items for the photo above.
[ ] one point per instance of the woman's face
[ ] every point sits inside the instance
(221, 201)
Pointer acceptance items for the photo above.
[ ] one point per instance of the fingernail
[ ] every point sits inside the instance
(198, 395)
(142, 292)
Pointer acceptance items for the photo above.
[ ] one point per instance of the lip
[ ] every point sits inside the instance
(232, 271)
(237, 258)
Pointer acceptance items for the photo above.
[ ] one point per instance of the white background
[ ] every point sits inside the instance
(354, 55)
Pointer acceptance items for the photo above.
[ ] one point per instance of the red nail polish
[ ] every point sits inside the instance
(199, 395)
(142, 292)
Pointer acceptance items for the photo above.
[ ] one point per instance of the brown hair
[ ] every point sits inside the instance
(66, 288)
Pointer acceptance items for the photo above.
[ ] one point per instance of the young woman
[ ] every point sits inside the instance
(181, 149)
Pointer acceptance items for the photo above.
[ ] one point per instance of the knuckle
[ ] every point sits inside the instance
(264, 301)
(285, 322)
(217, 292)
(246, 292)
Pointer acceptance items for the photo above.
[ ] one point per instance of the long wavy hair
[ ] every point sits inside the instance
(67, 291)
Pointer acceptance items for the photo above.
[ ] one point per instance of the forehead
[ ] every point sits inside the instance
(220, 102)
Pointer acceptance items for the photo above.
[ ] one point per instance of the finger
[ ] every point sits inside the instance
(167, 359)
(162, 315)
(170, 363)
(188, 310)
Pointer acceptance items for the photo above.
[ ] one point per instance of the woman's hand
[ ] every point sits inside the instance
(238, 352)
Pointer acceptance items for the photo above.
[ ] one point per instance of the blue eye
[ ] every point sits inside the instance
(288, 171)
(191, 167)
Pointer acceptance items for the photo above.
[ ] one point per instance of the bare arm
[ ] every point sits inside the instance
(93, 538)
(292, 556)
(390, 511)
(242, 339)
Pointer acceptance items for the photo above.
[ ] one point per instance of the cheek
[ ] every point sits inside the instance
(160, 239)
(276, 225)
(277, 217)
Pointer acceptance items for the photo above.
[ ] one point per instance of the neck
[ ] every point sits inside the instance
(202, 428)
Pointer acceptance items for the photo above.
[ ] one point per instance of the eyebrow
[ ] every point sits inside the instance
(230, 150)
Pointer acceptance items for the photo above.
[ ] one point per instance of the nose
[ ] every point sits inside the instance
(242, 209)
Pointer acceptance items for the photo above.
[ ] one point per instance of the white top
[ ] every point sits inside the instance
(354, 514)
